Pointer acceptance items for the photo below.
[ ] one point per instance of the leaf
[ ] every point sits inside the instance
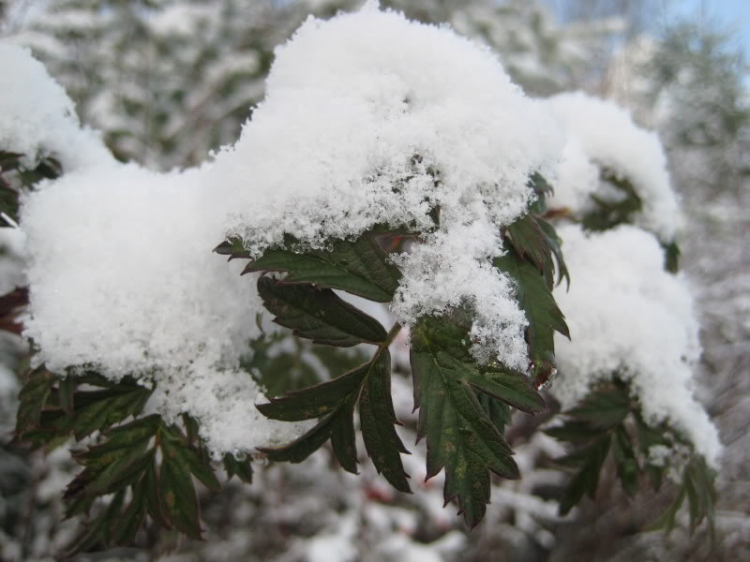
(298, 450)
(32, 399)
(610, 212)
(234, 248)
(498, 412)
(319, 315)
(360, 267)
(666, 521)
(574, 431)
(460, 437)
(178, 500)
(671, 257)
(132, 518)
(243, 469)
(586, 479)
(446, 340)
(316, 401)
(377, 416)
(175, 448)
(542, 313)
(604, 408)
(625, 460)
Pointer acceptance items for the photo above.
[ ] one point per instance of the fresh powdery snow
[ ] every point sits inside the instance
(37, 118)
(369, 119)
(602, 135)
(628, 315)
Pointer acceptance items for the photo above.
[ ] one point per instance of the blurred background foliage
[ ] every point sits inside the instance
(168, 81)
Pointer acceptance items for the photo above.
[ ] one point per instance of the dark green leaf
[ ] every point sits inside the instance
(32, 399)
(610, 212)
(586, 479)
(498, 412)
(625, 460)
(460, 437)
(319, 315)
(377, 417)
(542, 313)
(175, 448)
(243, 469)
(179, 503)
(126, 528)
(604, 408)
(360, 267)
(666, 522)
(671, 257)
(315, 401)
(342, 436)
(232, 247)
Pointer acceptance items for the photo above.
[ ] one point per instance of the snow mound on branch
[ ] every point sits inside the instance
(602, 135)
(123, 277)
(628, 315)
(371, 118)
(37, 118)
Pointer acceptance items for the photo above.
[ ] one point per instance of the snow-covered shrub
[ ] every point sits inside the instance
(391, 161)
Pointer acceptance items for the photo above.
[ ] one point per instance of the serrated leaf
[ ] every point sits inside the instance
(32, 398)
(243, 469)
(315, 401)
(666, 521)
(544, 316)
(610, 212)
(132, 518)
(319, 315)
(498, 412)
(100, 530)
(179, 503)
(603, 408)
(304, 446)
(460, 437)
(360, 267)
(586, 480)
(232, 247)
(175, 448)
(625, 460)
(574, 431)
(447, 342)
(376, 416)
(343, 440)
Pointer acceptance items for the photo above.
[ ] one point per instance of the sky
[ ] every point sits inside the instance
(735, 14)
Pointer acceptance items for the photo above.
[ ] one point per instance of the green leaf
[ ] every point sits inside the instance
(377, 417)
(234, 248)
(32, 399)
(460, 436)
(319, 315)
(128, 524)
(175, 448)
(179, 503)
(586, 479)
(243, 469)
(339, 421)
(574, 431)
(498, 412)
(603, 408)
(360, 267)
(316, 401)
(542, 313)
(446, 341)
(666, 522)
(625, 460)
(671, 257)
(611, 212)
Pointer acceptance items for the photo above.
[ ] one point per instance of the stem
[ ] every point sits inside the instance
(391, 336)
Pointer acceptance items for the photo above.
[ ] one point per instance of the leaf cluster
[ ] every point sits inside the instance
(608, 424)
(464, 406)
(144, 465)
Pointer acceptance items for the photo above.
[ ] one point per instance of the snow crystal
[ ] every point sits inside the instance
(629, 316)
(37, 117)
(370, 118)
(601, 134)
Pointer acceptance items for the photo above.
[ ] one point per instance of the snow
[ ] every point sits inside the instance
(407, 118)
(628, 315)
(603, 135)
(38, 118)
